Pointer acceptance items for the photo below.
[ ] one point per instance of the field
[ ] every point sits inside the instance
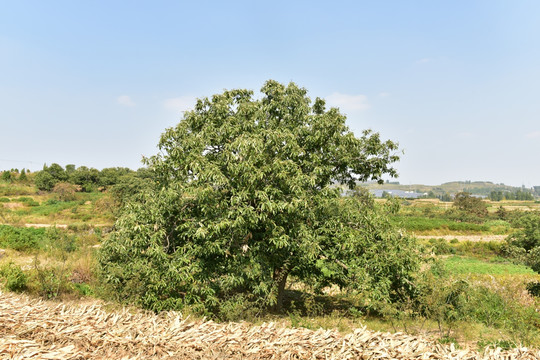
(49, 245)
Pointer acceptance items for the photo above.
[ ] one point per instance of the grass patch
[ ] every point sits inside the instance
(468, 265)
(416, 223)
(52, 206)
(476, 249)
(16, 189)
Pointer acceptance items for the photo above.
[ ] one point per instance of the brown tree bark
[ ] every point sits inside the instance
(280, 279)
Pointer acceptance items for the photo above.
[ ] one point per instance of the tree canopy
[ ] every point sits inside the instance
(246, 196)
(470, 204)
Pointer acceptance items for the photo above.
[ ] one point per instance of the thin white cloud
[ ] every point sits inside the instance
(533, 135)
(384, 94)
(125, 100)
(424, 60)
(180, 104)
(348, 103)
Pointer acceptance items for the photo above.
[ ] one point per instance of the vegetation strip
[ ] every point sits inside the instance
(32, 329)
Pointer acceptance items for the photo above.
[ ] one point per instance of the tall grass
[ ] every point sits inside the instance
(416, 223)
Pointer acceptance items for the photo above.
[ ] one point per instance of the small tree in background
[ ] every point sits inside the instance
(470, 204)
(524, 246)
(22, 176)
(50, 176)
(528, 237)
(243, 200)
(6, 176)
(87, 178)
(65, 191)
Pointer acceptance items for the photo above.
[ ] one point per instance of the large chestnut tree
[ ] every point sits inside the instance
(245, 198)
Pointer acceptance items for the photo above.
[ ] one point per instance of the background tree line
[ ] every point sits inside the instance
(86, 179)
(507, 195)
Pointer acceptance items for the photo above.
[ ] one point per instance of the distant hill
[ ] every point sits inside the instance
(483, 188)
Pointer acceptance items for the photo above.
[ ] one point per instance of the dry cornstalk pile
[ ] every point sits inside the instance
(32, 329)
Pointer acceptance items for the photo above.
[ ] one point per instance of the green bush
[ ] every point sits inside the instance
(488, 308)
(4, 200)
(22, 176)
(52, 281)
(6, 176)
(472, 205)
(49, 283)
(15, 278)
(441, 247)
(528, 237)
(534, 288)
(533, 259)
(516, 254)
(60, 241)
(47, 178)
(83, 289)
(21, 238)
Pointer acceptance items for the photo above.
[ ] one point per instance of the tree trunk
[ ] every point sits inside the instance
(280, 279)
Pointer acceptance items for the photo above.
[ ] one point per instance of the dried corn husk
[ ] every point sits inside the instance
(33, 329)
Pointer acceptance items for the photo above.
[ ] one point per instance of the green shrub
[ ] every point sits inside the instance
(533, 259)
(65, 191)
(83, 289)
(448, 300)
(533, 288)
(441, 247)
(53, 281)
(49, 283)
(60, 240)
(21, 239)
(472, 205)
(514, 253)
(15, 278)
(487, 307)
(528, 236)
(4, 200)
(6, 176)
(22, 176)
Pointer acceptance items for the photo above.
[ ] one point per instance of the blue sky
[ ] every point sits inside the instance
(456, 83)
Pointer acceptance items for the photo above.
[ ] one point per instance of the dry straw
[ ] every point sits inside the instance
(33, 329)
